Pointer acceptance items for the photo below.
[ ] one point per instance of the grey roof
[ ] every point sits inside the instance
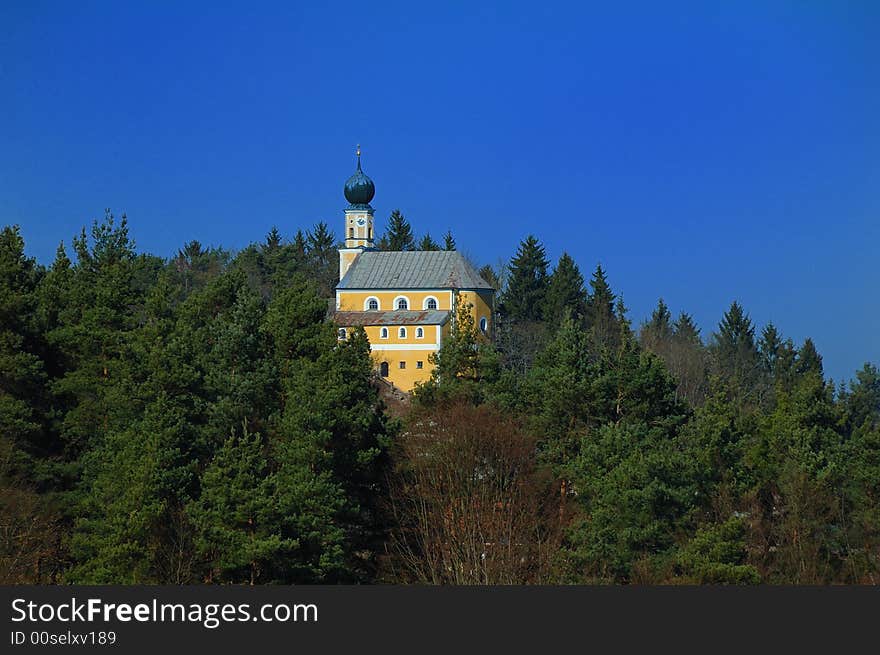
(441, 269)
(398, 317)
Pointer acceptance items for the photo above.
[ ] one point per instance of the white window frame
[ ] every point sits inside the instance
(428, 298)
(420, 333)
(367, 304)
(342, 334)
(401, 333)
(398, 299)
(484, 325)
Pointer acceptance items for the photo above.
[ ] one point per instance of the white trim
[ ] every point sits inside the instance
(484, 330)
(439, 334)
(394, 306)
(367, 304)
(405, 346)
(425, 302)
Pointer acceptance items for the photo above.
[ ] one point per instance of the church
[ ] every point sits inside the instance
(403, 300)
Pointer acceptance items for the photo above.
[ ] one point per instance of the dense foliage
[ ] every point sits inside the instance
(196, 419)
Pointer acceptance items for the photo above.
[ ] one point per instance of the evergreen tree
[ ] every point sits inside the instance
(448, 241)
(464, 361)
(323, 259)
(769, 348)
(489, 275)
(736, 354)
(565, 292)
(808, 359)
(329, 442)
(427, 243)
(23, 396)
(526, 291)
(399, 235)
(239, 529)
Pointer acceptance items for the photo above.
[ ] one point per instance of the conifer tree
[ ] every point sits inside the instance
(736, 354)
(769, 347)
(237, 523)
(489, 275)
(448, 241)
(526, 291)
(23, 393)
(565, 292)
(399, 234)
(427, 243)
(323, 259)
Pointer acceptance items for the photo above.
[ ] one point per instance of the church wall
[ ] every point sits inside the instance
(354, 300)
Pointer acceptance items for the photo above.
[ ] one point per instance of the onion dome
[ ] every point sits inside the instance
(359, 189)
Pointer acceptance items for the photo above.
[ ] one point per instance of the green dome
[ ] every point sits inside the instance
(359, 189)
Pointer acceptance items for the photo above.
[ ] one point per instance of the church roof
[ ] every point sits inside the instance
(436, 269)
(398, 317)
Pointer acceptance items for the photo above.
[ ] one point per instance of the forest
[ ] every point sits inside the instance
(195, 419)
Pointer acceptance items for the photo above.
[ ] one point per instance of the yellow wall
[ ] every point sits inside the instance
(406, 378)
(353, 301)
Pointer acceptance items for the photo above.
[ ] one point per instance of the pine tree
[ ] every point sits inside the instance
(448, 241)
(808, 359)
(273, 239)
(735, 353)
(427, 243)
(601, 320)
(686, 330)
(238, 526)
(565, 292)
(399, 235)
(329, 442)
(769, 347)
(464, 361)
(323, 259)
(23, 393)
(526, 291)
(489, 275)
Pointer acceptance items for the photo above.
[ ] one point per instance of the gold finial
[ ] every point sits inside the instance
(359, 150)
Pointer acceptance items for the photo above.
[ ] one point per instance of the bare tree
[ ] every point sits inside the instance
(470, 504)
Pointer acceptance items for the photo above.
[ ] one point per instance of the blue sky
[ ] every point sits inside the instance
(700, 151)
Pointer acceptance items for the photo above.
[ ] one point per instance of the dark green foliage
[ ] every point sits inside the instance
(197, 420)
(489, 275)
(448, 241)
(399, 234)
(717, 555)
(526, 290)
(735, 354)
(565, 292)
(427, 243)
(465, 363)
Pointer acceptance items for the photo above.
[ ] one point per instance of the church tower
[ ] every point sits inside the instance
(359, 191)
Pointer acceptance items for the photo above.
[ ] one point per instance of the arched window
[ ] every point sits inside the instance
(484, 325)
(371, 304)
(383, 369)
(351, 233)
(401, 302)
(383, 333)
(402, 333)
(430, 302)
(420, 333)
(341, 334)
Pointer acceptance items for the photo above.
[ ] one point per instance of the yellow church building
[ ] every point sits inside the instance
(403, 300)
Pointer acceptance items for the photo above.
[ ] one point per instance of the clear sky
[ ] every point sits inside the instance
(701, 151)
